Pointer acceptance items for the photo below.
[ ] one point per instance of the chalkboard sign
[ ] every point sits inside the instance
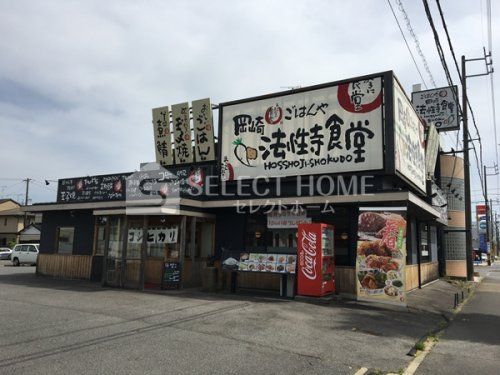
(171, 275)
(92, 188)
(171, 182)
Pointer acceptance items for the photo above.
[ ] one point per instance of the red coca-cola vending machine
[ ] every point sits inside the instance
(315, 266)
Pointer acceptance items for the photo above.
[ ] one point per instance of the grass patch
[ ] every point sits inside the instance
(420, 345)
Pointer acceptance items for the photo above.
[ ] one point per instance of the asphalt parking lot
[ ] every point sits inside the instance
(60, 327)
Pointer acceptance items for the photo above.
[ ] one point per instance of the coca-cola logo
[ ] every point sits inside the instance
(308, 257)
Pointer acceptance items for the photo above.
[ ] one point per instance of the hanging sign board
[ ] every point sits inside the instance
(182, 134)
(438, 106)
(409, 142)
(327, 130)
(381, 255)
(203, 125)
(162, 136)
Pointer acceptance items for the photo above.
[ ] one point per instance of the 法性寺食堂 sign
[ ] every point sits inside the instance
(438, 106)
(333, 129)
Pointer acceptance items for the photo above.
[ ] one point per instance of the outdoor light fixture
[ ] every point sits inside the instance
(258, 234)
(344, 236)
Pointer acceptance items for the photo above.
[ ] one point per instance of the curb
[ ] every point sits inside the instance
(430, 341)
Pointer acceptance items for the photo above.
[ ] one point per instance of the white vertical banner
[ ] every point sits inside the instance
(203, 125)
(409, 142)
(182, 133)
(431, 149)
(162, 136)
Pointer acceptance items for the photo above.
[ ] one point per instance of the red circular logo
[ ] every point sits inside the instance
(346, 101)
(274, 115)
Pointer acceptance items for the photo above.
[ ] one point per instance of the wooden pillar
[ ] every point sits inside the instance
(123, 258)
(192, 249)
(104, 278)
(143, 251)
(182, 246)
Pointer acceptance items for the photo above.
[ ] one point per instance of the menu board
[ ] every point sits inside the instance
(263, 262)
(171, 182)
(381, 255)
(171, 275)
(92, 188)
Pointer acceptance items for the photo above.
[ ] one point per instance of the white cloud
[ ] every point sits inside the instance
(95, 69)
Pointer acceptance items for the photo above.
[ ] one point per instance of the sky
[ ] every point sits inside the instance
(78, 79)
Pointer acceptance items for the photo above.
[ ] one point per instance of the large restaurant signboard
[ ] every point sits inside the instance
(381, 255)
(409, 140)
(332, 129)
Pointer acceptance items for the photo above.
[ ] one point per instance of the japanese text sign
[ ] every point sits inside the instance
(203, 125)
(409, 142)
(438, 107)
(182, 134)
(162, 136)
(326, 130)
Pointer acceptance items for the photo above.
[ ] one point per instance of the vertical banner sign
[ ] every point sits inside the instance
(162, 136)
(381, 255)
(481, 212)
(409, 142)
(327, 130)
(431, 149)
(203, 125)
(438, 106)
(182, 134)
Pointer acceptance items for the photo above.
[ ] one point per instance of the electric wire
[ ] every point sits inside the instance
(450, 82)
(407, 45)
(416, 41)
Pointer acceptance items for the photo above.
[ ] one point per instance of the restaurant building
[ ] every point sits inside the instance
(350, 154)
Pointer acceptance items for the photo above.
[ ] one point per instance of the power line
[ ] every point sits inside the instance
(415, 40)
(450, 80)
(407, 45)
(445, 27)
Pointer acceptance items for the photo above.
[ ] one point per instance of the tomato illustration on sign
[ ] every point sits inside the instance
(244, 153)
(226, 170)
(117, 186)
(196, 177)
(274, 115)
(79, 185)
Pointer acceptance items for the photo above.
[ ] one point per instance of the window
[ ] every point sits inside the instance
(100, 240)
(65, 240)
(115, 243)
(424, 243)
(100, 235)
(32, 249)
(5, 221)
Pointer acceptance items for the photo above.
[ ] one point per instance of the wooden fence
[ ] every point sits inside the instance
(64, 266)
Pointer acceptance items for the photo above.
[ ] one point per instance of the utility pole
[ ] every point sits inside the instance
(486, 204)
(26, 199)
(468, 209)
(468, 212)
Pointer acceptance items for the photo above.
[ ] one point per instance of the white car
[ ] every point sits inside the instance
(5, 253)
(26, 253)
